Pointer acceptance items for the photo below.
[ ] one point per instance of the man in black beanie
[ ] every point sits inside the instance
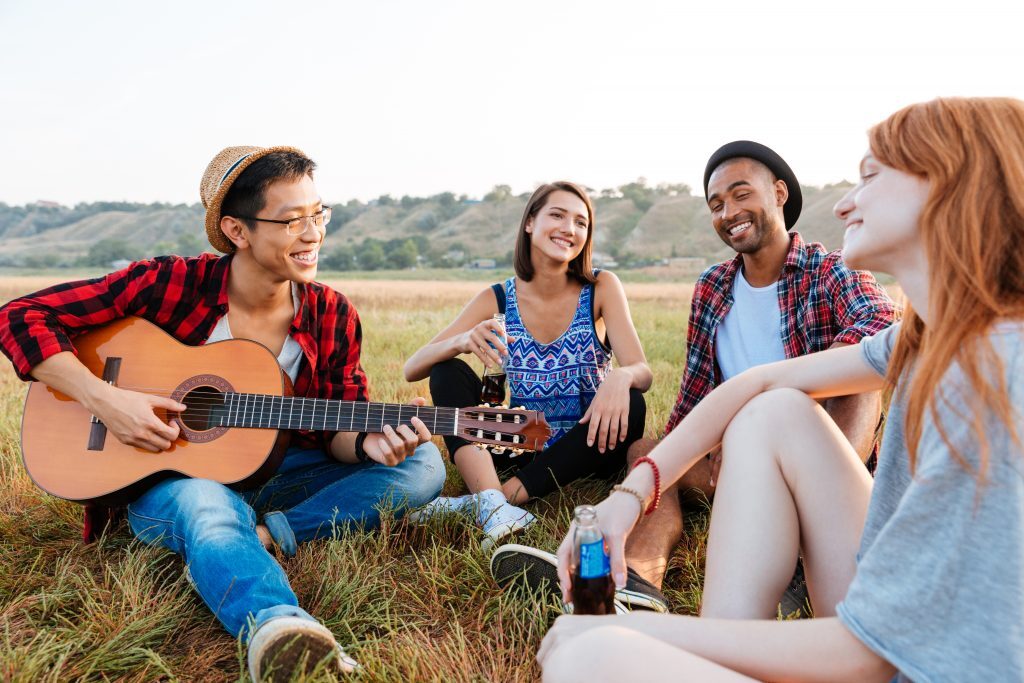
(778, 298)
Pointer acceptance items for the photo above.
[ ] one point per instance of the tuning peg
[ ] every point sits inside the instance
(498, 450)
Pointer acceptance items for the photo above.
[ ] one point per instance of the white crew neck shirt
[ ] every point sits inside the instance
(751, 333)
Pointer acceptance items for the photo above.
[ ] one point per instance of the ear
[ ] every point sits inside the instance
(529, 225)
(781, 193)
(236, 231)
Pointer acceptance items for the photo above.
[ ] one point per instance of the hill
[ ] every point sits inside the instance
(636, 225)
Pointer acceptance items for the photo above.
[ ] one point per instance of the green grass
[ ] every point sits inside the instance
(409, 603)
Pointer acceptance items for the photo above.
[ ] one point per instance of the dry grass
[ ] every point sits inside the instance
(409, 603)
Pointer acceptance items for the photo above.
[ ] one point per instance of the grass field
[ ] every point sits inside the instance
(409, 603)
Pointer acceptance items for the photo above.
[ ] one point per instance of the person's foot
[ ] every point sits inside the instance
(443, 505)
(499, 518)
(284, 646)
(539, 570)
(489, 509)
(641, 594)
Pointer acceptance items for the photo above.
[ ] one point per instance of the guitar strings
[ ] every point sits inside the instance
(211, 399)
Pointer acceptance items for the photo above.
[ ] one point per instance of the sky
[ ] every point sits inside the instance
(111, 100)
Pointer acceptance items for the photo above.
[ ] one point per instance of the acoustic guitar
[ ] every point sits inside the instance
(235, 428)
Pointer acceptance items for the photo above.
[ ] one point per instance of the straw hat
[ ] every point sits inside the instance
(220, 173)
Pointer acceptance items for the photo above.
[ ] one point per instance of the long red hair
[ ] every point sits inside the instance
(972, 153)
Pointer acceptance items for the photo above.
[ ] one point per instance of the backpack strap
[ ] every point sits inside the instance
(499, 293)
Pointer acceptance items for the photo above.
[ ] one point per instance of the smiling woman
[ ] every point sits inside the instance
(562, 319)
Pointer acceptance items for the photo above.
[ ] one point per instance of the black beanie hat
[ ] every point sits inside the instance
(768, 157)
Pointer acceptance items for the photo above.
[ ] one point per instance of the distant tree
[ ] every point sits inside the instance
(426, 221)
(638, 192)
(339, 258)
(163, 247)
(46, 260)
(385, 200)
(370, 255)
(189, 244)
(404, 255)
(445, 199)
(106, 251)
(498, 194)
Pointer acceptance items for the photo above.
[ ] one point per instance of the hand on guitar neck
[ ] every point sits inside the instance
(129, 415)
(389, 447)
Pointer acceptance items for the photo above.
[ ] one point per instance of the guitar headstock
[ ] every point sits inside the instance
(512, 428)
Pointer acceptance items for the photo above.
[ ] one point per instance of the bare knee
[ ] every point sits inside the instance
(592, 655)
(769, 413)
(639, 449)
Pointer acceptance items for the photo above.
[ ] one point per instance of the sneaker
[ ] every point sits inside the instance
(641, 594)
(499, 518)
(489, 509)
(539, 570)
(444, 505)
(284, 646)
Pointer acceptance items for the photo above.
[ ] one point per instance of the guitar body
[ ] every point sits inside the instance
(59, 437)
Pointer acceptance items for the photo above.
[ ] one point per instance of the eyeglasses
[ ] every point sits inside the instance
(297, 226)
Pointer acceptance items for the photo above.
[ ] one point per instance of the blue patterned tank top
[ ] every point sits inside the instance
(560, 378)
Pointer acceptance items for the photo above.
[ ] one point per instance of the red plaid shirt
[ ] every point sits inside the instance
(186, 297)
(821, 301)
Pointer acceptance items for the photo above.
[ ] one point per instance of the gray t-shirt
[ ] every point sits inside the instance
(939, 589)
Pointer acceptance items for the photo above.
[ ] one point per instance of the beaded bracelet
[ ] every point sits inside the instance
(657, 483)
(632, 492)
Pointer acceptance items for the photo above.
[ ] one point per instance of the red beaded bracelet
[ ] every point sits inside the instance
(657, 483)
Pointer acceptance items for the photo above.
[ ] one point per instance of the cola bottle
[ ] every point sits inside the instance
(493, 391)
(593, 590)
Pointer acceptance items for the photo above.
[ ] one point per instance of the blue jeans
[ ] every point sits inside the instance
(214, 527)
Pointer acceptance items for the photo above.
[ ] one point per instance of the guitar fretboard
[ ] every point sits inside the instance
(296, 412)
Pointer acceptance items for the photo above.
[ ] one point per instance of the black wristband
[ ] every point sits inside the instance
(361, 455)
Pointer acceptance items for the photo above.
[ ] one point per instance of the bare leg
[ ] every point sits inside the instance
(616, 653)
(477, 470)
(789, 481)
(650, 544)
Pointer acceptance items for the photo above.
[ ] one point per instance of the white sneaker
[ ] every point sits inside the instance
(444, 505)
(284, 646)
(499, 518)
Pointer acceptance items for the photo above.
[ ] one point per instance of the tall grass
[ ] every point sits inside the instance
(410, 603)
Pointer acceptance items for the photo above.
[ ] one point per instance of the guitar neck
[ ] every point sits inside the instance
(263, 411)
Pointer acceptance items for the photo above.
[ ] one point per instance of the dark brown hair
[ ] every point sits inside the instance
(580, 267)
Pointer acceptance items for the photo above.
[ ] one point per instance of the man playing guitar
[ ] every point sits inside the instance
(264, 212)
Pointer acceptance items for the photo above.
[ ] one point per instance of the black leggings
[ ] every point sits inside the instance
(454, 384)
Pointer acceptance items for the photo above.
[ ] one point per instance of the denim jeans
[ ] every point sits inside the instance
(214, 527)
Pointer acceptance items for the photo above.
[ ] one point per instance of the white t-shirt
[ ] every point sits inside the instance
(751, 333)
(291, 353)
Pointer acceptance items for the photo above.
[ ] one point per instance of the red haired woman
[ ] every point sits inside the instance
(918, 575)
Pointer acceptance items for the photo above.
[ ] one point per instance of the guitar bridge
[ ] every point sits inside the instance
(98, 430)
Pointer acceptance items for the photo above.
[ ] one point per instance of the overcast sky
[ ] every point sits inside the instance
(129, 100)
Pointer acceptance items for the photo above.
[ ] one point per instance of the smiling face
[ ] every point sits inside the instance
(881, 215)
(559, 230)
(280, 255)
(746, 204)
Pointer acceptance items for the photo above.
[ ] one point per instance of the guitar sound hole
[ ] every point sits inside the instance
(206, 409)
